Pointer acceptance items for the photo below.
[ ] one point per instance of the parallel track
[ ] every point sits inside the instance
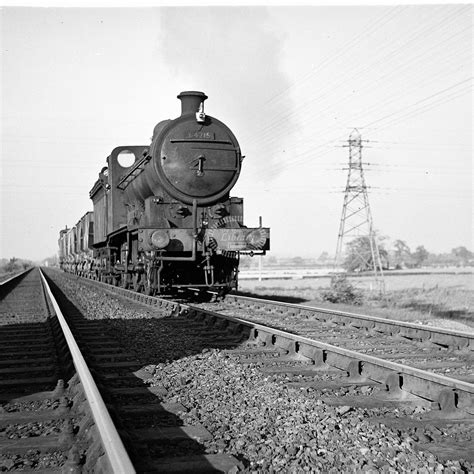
(437, 350)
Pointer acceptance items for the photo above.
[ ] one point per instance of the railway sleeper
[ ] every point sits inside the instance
(222, 343)
(105, 345)
(132, 365)
(15, 397)
(30, 417)
(93, 336)
(111, 356)
(44, 444)
(254, 352)
(331, 384)
(268, 361)
(27, 361)
(144, 409)
(48, 443)
(422, 424)
(372, 401)
(353, 344)
(43, 369)
(304, 370)
(35, 343)
(29, 351)
(30, 327)
(433, 365)
(26, 335)
(28, 382)
(449, 450)
(427, 433)
(34, 417)
(452, 342)
(413, 355)
(156, 390)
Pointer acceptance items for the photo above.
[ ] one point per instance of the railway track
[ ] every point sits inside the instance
(155, 437)
(441, 351)
(52, 417)
(351, 361)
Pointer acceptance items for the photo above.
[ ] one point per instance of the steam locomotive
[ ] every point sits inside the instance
(163, 219)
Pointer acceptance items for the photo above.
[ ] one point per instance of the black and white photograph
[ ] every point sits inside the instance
(236, 238)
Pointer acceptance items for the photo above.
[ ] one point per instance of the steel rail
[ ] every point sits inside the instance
(469, 336)
(115, 450)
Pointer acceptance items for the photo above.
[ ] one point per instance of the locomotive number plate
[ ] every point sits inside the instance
(199, 135)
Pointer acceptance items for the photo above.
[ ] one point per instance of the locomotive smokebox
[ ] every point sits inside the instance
(191, 101)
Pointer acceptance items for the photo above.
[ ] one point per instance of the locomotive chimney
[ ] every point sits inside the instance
(191, 101)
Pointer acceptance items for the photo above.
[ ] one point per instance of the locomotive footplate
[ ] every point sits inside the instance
(218, 240)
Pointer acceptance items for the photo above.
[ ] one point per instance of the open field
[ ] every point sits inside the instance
(445, 300)
(394, 280)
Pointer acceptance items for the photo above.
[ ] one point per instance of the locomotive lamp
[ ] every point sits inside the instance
(256, 238)
(160, 239)
(200, 115)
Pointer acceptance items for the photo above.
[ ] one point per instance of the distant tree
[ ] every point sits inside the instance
(323, 257)
(463, 254)
(401, 248)
(297, 261)
(442, 259)
(420, 255)
(359, 254)
(12, 265)
(401, 254)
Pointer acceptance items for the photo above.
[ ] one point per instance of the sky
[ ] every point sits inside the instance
(291, 82)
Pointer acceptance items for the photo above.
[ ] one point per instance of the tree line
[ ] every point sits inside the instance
(14, 265)
(359, 256)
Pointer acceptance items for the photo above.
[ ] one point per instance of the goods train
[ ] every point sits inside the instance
(163, 219)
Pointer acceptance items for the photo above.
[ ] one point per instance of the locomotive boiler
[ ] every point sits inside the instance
(163, 217)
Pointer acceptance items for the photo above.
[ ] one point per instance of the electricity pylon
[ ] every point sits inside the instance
(356, 218)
